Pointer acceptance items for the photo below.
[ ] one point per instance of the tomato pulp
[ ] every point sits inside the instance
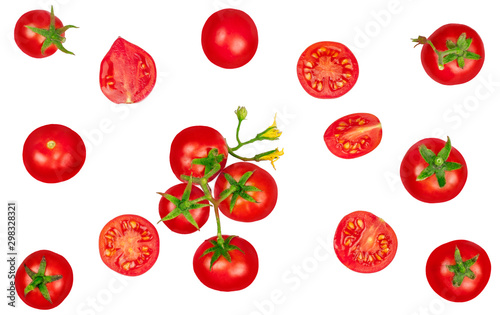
(364, 242)
(327, 70)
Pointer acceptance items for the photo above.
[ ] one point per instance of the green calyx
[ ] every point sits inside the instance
(211, 162)
(40, 280)
(238, 189)
(184, 205)
(52, 35)
(461, 269)
(438, 164)
(458, 51)
(221, 247)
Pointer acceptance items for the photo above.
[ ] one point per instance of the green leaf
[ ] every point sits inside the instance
(451, 166)
(440, 175)
(462, 269)
(461, 62)
(462, 42)
(39, 280)
(221, 250)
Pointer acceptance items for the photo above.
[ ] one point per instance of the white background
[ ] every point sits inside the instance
(128, 148)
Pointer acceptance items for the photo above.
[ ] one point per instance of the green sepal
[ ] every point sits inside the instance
(437, 163)
(184, 205)
(40, 280)
(221, 249)
(461, 269)
(52, 35)
(211, 162)
(238, 189)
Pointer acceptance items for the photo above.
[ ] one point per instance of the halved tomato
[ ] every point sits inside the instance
(129, 244)
(364, 242)
(127, 74)
(353, 135)
(327, 70)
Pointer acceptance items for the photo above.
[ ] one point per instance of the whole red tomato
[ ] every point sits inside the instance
(458, 271)
(40, 34)
(179, 213)
(44, 279)
(364, 242)
(229, 38)
(353, 135)
(462, 50)
(53, 153)
(327, 70)
(232, 271)
(192, 152)
(433, 171)
(129, 245)
(127, 74)
(254, 193)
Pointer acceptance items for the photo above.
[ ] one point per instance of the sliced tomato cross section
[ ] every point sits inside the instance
(129, 244)
(353, 135)
(364, 242)
(327, 70)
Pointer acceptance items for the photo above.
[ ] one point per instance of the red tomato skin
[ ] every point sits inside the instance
(192, 143)
(306, 59)
(440, 278)
(370, 132)
(452, 74)
(30, 42)
(229, 38)
(153, 244)
(246, 211)
(58, 290)
(373, 228)
(127, 74)
(180, 224)
(57, 164)
(227, 276)
(428, 190)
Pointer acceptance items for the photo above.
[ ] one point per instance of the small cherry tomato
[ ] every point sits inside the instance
(53, 153)
(364, 242)
(229, 38)
(457, 57)
(197, 151)
(40, 34)
(179, 213)
(353, 135)
(230, 266)
(44, 279)
(327, 70)
(433, 171)
(254, 192)
(458, 271)
(127, 74)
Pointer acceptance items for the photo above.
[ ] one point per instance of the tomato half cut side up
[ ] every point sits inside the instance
(327, 70)
(364, 242)
(127, 74)
(129, 245)
(353, 135)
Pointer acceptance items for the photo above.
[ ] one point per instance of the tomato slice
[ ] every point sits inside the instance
(353, 135)
(327, 70)
(129, 244)
(364, 242)
(128, 73)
